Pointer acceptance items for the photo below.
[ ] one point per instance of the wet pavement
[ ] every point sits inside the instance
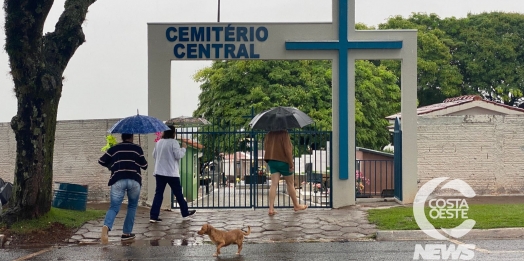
(241, 196)
(311, 225)
(394, 250)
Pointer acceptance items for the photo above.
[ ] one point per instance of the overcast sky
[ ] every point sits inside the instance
(107, 77)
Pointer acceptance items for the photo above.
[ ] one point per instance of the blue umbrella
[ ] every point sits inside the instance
(138, 124)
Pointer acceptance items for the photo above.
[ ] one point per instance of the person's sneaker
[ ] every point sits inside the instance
(104, 236)
(155, 220)
(191, 212)
(128, 237)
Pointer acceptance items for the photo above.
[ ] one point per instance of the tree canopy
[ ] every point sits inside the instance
(231, 88)
(490, 54)
(480, 54)
(437, 77)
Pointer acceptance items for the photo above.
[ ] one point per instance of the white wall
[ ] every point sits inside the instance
(486, 151)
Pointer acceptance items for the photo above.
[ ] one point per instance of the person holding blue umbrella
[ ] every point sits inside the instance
(125, 161)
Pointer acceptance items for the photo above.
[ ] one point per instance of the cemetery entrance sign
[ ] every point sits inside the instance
(337, 41)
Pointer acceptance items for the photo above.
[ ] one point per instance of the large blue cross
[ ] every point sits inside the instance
(343, 45)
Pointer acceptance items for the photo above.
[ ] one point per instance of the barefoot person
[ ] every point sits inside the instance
(279, 157)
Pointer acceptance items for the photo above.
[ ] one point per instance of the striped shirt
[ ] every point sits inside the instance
(124, 160)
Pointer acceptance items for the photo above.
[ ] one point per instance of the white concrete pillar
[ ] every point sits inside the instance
(158, 104)
(409, 120)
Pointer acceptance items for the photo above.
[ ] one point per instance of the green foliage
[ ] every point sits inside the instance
(479, 54)
(231, 88)
(377, 96)
(482, 53)
(220, 138)
(69, 218)
(438, 78)
(486, 216)
(491, 54)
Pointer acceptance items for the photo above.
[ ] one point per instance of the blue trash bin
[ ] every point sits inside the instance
(70, 196)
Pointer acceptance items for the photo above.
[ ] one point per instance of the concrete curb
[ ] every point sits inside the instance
(406, 235)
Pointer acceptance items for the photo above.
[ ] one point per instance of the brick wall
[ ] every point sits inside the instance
(486, 151)
(77, 150)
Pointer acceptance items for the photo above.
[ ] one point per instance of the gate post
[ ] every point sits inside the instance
(397, 145)
(409, 122)
(343, 190)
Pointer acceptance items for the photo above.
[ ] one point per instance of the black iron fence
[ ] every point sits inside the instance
(225, 168)
(374, 178)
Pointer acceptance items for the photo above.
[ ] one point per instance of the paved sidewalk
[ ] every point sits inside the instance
(311, 225)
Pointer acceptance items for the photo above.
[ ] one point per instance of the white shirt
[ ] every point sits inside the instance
(167, 154)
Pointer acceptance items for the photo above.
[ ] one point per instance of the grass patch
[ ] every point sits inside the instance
(69, 218)
(486, 216)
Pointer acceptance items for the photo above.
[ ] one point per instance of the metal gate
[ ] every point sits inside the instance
(224, 168)
(397, 143)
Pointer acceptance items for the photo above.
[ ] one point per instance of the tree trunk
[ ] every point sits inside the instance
(34, 127)
(37, 64)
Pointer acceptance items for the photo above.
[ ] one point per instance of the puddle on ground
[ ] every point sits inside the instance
(36, 246)
(136, 242)
(161, 242)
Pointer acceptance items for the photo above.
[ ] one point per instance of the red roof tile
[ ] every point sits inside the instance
(451, 102)
(464, 97)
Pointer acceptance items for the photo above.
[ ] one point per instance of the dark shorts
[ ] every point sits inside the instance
(279, 166)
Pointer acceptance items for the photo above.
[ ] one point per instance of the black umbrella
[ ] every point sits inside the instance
(280, 118)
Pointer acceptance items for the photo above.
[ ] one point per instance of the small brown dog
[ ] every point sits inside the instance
(224, 238)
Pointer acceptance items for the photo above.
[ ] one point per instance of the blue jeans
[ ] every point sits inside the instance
(174, 183)
(118, 191)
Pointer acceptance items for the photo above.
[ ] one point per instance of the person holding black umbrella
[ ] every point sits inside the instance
(278, 148)
(279, 158)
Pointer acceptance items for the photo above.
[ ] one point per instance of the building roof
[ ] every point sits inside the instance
(450, 103)
(376, 152)
(240, 155)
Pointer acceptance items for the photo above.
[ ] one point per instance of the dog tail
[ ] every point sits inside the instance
(248, 231)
